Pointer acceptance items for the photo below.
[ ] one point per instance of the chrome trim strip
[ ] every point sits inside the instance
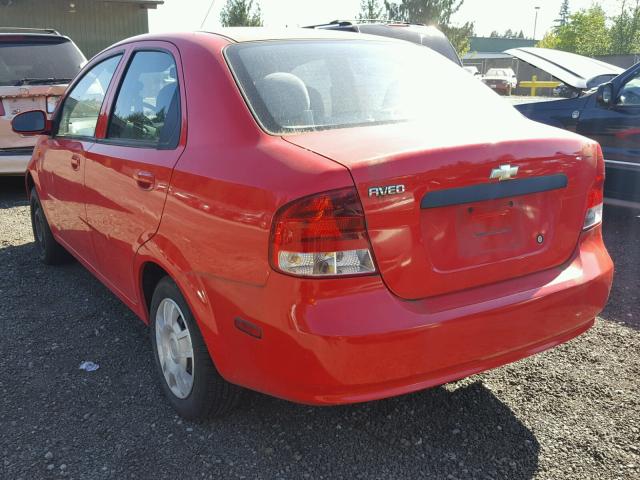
(619, 162)
(621, 203)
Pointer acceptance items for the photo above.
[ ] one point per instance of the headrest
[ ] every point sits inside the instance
(286, 98)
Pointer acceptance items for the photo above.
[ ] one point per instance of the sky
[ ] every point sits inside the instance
(488, 15)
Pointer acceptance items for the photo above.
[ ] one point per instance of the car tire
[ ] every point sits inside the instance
(188, 377)
(49, 251)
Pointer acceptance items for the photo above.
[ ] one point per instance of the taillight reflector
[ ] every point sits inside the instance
(595, 197)
(322, 235)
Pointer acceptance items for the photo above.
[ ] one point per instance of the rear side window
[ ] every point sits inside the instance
(82, 106)
(32, 61)
(147, 108)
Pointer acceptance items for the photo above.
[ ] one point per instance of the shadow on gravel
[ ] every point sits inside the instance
(465, 432)
(12, 192)
(622, 237)
(114, 422)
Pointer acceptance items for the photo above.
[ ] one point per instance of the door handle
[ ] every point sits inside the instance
(75, 161)
(145, 180)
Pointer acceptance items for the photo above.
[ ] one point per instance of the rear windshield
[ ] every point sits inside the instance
(32, 62)
(294, 86)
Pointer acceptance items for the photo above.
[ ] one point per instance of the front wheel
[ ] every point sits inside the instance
(49, 251)
(188, 377)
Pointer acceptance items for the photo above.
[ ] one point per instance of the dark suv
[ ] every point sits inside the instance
(421, 34)
(35, 68)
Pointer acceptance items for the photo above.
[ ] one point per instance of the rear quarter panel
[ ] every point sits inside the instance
(225, 189)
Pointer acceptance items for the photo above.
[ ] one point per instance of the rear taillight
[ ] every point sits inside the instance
(595, 197)
(52, 103)
(322, 235)
(2, 112)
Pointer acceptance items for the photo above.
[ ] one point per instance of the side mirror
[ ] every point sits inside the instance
(34, 122)
(604, 96)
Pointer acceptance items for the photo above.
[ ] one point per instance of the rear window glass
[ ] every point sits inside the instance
(294, 86)
(29, 62)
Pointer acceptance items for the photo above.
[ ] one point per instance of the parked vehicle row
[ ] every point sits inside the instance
(603, 104)
(326, 228)
(502, 80)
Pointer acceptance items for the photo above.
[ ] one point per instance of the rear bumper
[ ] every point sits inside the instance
(499, 88)
(11, 164)
(333, 342)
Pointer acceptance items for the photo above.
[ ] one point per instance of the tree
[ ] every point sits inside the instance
(459, 36)
(507, 34)
(585, 33)
(563, 16)
(240, 13)
(625, 30)
(433, 12)
(437, 12)
(370, 10)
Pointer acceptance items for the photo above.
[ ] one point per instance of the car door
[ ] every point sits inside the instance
(129, 169)
(617, 129)
(64, 153)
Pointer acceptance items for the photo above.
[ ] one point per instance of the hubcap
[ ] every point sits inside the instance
(175, 350)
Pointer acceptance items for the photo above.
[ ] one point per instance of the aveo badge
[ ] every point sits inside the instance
(386, 190)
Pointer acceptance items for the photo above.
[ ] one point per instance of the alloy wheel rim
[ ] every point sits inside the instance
(175, 349)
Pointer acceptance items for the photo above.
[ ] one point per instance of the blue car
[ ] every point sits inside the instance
(604, 106)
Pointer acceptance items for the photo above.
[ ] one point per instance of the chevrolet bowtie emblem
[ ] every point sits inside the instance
(504, 172)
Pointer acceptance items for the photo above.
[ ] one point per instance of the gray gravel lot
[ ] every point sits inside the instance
(573, 412)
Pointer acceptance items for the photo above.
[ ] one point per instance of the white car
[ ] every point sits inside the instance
(471, 70)
(502, 80)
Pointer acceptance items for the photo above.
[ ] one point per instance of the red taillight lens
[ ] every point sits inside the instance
(322, 235)
(52, 102)
(2, 112)
(595, 197)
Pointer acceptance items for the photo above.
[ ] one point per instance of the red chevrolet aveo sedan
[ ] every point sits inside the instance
(312, 215)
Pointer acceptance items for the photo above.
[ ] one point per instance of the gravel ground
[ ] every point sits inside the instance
(573, 412)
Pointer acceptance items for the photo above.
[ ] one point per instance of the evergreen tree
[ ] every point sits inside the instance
(370, 10)
(433, 12)
(563, 16)
(240, 13)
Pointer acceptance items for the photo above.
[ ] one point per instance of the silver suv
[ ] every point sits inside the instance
(35, 68)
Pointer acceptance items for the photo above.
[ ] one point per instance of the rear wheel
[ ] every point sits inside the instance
(48, 249)
(188, 377)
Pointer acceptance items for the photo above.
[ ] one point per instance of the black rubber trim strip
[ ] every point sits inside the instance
(12, 152)
(492, 191)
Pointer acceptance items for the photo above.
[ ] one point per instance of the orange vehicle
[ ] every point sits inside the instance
(35, 68)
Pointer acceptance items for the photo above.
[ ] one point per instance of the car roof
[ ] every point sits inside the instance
(252, 34)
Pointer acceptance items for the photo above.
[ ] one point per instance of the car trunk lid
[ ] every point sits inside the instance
(438, 223)
(18, 99)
